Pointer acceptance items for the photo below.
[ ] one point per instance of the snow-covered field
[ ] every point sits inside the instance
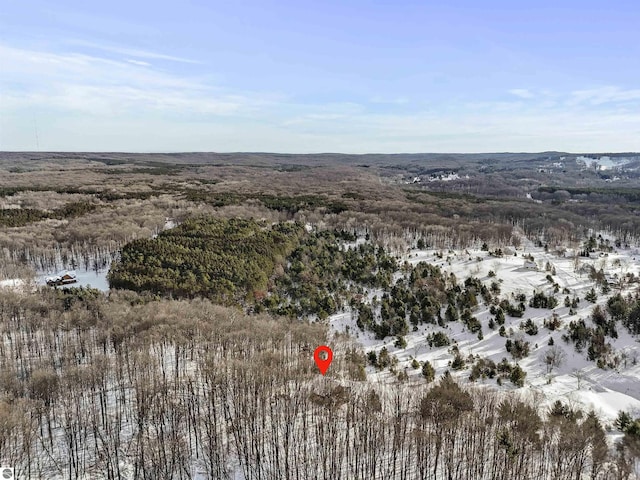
(577, 381)
(86, 278)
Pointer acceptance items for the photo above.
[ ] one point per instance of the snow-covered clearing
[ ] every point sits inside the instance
(577, 380)
(12, 283)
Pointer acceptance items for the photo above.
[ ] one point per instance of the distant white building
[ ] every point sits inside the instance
(530, 265)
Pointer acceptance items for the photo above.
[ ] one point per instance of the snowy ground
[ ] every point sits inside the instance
(94, 278)
(86, 278)
(12, 283)
(577, 381)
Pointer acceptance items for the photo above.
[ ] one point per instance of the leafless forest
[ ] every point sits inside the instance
(133, 386)
(126, 196)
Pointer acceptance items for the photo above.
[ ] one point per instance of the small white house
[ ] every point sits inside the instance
(530, 265)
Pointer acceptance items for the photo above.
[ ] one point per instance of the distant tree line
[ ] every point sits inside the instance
(17, 217)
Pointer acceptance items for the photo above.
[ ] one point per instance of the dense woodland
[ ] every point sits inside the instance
(198, 363)
(223, 260)
(288, 271)
(130, 387)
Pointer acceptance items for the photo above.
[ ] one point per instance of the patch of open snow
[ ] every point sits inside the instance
(445, 177)
(85, 278)
(604, 391)
(15, 283)
(603, 163)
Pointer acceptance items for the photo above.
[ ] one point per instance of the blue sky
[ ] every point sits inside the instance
(332, 76)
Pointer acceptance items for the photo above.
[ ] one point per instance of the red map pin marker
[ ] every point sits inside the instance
(323, 364)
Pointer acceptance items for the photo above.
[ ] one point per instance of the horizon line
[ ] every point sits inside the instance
(248, 152)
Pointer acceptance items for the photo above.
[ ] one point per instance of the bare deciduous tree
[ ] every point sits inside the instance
(553, 357)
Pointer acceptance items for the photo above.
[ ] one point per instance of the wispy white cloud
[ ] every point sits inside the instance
(40, 69)
(521, 93)
(132, 52)
(297, 114)
(95, 85)
(489, 127)
(96, 102)
(603, 95)
(138, 62)
(390, 100)
(126, 101)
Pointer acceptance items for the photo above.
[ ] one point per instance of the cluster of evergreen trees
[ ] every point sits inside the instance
(420, 297)
(17, 217)
(604, 321)
(228, 261)
(324, 272)
(281, 203)
(625, 310)
(279, 268)
(631, 429)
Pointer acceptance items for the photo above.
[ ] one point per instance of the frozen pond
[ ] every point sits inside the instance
(86, 278)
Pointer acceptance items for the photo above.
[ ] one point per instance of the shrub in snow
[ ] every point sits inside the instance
(540, 300)
(552, 323)
(458, 362)
(517, 348)
(483, 368)
(400, 342)
(428, 372)
(529, 327)
(517, 376)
